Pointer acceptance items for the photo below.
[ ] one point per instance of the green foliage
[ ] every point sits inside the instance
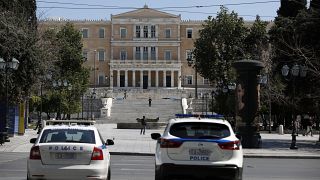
(222, 41)
(18, 30)
(291, 8)
(257, 40)
(220, 44)
(66, 46)
(295, 40)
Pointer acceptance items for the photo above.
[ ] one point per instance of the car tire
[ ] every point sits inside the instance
(159, 175)
(28, 176)
(109, 174)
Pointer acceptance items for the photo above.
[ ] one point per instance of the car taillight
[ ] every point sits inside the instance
(233, 145)
(35, 153)
(167, 143)
(97, 154)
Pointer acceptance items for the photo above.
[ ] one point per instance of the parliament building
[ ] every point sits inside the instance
(142, 49)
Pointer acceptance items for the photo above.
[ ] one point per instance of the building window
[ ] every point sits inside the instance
(123, 33)
(189, 33)
(168, 33)
(123, 55)
(101, 33)
(145, 53)
(153, 31)
(138, 31)
(101, 55)
(167, 55)
(85, 55)
(85, 33)
(138, 53)
(145, 31)
(101, 79)
(153, 53)
(189, 54)
(189, 80)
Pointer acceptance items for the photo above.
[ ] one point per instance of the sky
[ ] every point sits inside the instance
(189, 9)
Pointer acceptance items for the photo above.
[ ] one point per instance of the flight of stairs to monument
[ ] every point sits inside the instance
(128, 110)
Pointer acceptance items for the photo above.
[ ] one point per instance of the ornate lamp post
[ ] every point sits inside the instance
(296, 71)
(6, 66)
(60, 84)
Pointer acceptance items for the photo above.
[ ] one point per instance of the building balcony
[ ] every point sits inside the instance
(145, 64)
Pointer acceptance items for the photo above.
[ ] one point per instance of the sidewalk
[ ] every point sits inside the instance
(129, 141)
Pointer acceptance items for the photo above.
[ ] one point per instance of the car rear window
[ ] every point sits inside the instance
(68, 135)
(199, 130)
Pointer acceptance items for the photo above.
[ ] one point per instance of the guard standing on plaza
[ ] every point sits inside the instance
(143, 125)
(150, 101)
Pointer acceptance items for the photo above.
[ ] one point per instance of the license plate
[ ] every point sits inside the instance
(199, 158)
(199, 152)
(65, 156)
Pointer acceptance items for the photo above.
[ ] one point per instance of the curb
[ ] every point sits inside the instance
(245, 156)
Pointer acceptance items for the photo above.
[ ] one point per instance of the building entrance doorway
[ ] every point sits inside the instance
(122, 80)
(145, 82)
(168, 81)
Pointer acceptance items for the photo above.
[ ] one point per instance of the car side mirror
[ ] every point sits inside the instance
(155, 136)
(33, 140)
(109, 142)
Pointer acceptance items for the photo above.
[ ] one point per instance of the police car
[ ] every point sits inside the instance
(69, 149)
(198, 147)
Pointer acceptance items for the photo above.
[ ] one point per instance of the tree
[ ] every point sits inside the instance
(295, 40)
(66, 46)
(220, 44)
(257, 42)
(290, 8)
(222, 41)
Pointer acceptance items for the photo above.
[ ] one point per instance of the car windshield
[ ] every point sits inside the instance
(199, 130)
(68, 135)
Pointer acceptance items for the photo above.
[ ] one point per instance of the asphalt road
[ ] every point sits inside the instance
(13, 167)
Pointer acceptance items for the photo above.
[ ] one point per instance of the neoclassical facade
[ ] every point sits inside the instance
(144, 49)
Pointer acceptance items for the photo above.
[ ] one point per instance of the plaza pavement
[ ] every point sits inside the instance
(130, 142)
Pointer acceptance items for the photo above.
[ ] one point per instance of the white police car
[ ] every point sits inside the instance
(196, 147)
(69, 149)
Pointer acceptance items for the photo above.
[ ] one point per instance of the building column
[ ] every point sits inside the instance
(157, 78)
(164, 78)
(111, 53)
(111, 78)
(133, 78)
(126, 78)
(180, 78)
(172, 78)
(118, 78)
(149, 78)
(141, 78)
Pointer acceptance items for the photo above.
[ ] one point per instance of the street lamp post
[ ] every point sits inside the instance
(296, 71)
(182, 79)
(266, 81)
(60, 84)
(191, 61)
(6, 66)
(93, 95)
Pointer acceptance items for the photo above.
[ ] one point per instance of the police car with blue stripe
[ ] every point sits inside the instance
(198, 147)
(69, 149)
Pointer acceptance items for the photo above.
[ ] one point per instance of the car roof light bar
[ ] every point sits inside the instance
(213, 116)
(69, 122)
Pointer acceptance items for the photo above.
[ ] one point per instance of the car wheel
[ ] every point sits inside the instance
(109, 174)
(28, 176)
(159, 175)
